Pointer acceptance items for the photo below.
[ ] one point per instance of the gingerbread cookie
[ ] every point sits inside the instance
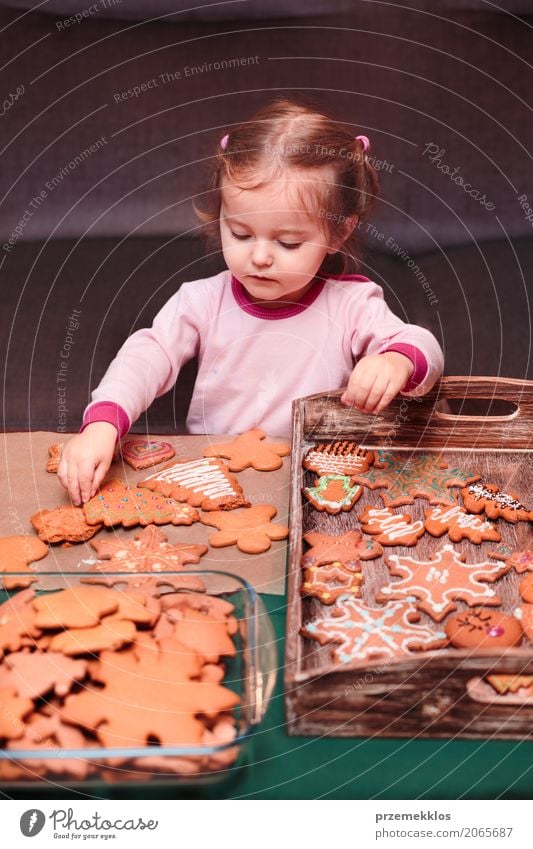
(459, 524)
(524, 614)
(249, 529)
(331, 582)
(54, 455)
(205, 483)
(116, 503)
(16, 553)
(348, 548)
(489, 498)
(64, 523)
(249, 450)
(410, 476)
(34, 674)
(333, 493)
(77, 607)
(510, 683)
(17, 622)
(48, 733)
(390, 528)
(364, 632)
(204, 633)
(148, 551)
(338, 458)
(165, 708)
(13, 709)
(111, 635)
(526, 589)
(483, 629)
(442, 580)
(144, 453)
(520, 561)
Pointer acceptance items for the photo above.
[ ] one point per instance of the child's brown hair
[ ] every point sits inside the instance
(295, 134)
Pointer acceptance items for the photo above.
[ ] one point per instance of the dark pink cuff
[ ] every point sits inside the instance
(107, 411)
(418, 360)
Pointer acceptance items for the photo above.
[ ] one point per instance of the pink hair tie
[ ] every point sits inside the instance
(224, 142)
(364, 141)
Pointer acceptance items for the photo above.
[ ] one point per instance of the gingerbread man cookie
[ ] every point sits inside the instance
(348, 548)
(483, 629)
(333, 493)
(205, 483)
(459, 524)
(250, 529)
(16, 553)
(410, 476)
(64, 523)
(442, 580)
(144, 453)
(338, 458)
(489, 498)
(116, 503)
(364, 632)
(331, 582)
(249, 450)
(390, 528)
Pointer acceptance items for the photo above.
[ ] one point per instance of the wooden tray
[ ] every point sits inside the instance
(437, 693)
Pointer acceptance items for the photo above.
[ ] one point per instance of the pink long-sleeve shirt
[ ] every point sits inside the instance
(254, 361)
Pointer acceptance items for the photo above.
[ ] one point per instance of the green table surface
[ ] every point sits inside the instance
(283, 767)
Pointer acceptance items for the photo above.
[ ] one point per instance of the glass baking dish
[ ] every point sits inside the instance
(251, 673)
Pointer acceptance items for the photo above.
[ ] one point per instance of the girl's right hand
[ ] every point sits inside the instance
(86, 459)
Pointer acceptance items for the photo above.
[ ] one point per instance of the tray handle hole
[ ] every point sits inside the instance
(476, 408)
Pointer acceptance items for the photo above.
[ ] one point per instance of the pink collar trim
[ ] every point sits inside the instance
(293, 308)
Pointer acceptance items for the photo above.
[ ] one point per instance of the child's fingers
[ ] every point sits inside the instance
(358, 389)
(99, 475)
(85, 477)
(73, 485)
(375, 395)
(388, 395)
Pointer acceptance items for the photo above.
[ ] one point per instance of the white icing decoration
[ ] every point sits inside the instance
(392, 524)
(203, 476)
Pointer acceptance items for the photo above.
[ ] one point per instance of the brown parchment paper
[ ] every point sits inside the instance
(28, 487)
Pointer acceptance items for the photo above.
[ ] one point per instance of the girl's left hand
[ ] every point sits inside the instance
(376, 380)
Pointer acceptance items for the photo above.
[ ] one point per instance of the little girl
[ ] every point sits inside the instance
(288, 191)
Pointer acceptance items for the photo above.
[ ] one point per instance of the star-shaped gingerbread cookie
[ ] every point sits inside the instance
(442, 580)
(348, 548)
(363, 632)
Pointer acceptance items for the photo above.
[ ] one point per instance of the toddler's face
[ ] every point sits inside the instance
(273, 248)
